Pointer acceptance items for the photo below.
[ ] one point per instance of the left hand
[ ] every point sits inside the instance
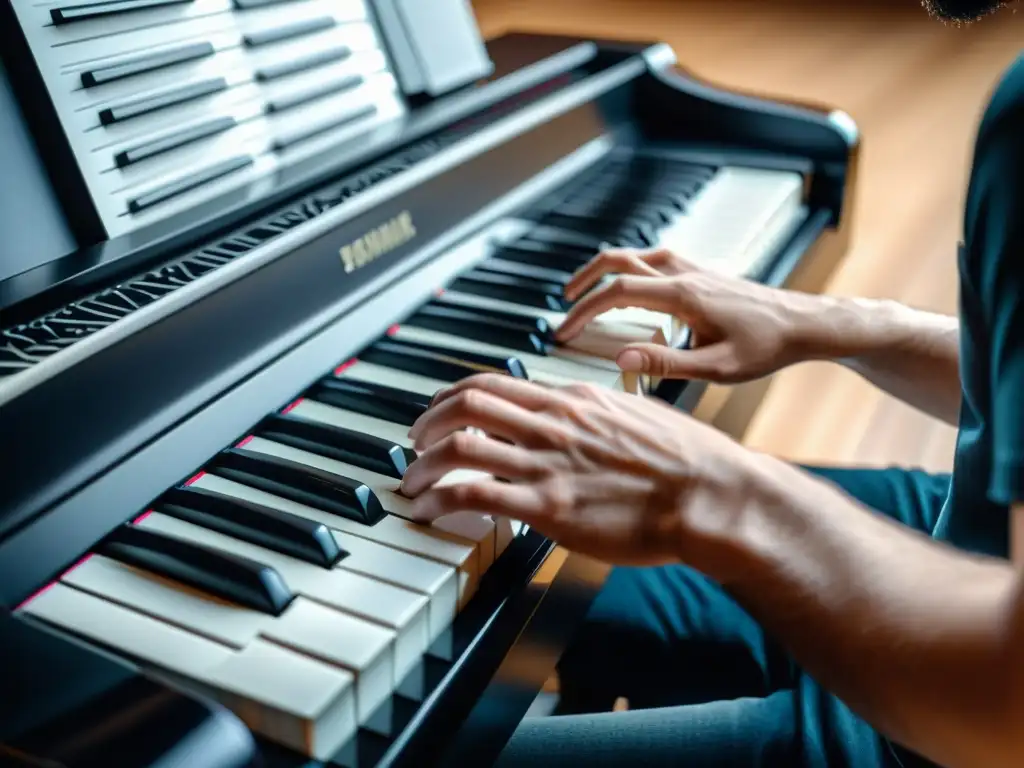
(625, 479)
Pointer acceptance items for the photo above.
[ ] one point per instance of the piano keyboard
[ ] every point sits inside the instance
(168, 102)
(285, 578)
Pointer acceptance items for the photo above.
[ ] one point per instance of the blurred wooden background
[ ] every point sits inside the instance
(916, 88)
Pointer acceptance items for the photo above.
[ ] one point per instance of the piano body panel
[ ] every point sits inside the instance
(558, 599)
(66, 703)
(172, 384)
(41, 118)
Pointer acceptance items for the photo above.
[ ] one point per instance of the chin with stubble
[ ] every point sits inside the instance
(962, 11)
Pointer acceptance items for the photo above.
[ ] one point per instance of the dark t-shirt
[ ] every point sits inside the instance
(988, 469)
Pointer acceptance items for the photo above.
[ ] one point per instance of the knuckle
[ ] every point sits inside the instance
(617, 287)
(460, 445)
(559, 495)
(473, 495)
(585, 390)
(561, 440)
(473, 402)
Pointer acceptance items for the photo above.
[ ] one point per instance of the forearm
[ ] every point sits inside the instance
(911, 354)
(913, 636)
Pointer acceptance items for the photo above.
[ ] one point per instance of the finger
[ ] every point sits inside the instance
(466, 450)
(668, 262)
(716, 362)
(519, 502)
(625, 261)
(487, 411)
(660, 294)
(527, 394)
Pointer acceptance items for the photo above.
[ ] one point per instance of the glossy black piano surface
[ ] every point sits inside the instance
(208, 353)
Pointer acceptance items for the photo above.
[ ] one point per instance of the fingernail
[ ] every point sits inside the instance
(631, 360)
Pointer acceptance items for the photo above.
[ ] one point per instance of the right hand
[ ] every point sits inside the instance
(741, 330)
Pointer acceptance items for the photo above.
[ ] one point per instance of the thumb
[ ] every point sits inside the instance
(707, 363)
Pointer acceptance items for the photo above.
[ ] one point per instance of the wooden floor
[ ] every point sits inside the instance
(915, 88)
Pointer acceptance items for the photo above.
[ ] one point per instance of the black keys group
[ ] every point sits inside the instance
(255, 584)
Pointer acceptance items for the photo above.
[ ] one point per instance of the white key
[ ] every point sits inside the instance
(167, 600)
(290, 698)
(735, 223)
(467, 525)
(339, 417)
(505, 531)
(563, 363)
(438, 582)
(392, 531)
(389, 377)
(294, 700)
(401, 611)
(364, 649)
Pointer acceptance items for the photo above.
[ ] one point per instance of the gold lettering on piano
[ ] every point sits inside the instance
(378, 241)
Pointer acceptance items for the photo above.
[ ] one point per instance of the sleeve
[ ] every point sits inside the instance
(995, 238)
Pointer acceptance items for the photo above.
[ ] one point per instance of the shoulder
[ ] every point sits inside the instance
(1005, 109)
(995, 198)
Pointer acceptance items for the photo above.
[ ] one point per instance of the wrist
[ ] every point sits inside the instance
(835, 328)
(747, 527)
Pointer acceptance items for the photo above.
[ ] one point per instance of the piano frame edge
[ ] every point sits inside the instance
(535, 623)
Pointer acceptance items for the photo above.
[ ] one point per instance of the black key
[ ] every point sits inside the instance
(282, 532)
(528, 323)
(186, 183)
(626, 233)
(301, 483)
(318, 91)
(548, 257)
(288, 31)
(288, 140)
(467, 323)
(367, 451)
(303, 63)
(97, 10)
(224, 575)
(672, 202)
(148, 63)
(173, 97)
(518, 290)
(615, 214)
(377, 400)
(174, 141)
(438, 362)
(565, 238)
(518, 269)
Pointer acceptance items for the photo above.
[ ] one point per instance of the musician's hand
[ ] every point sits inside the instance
(626, 479)
(742, 330)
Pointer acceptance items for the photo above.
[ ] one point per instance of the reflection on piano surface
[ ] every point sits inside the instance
(287, 246)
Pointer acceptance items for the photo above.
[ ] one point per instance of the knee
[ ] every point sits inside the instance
(640, 614)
